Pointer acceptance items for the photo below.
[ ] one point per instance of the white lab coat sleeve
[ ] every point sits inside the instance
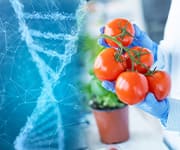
(165, 60)
(173, 120)
(163, 57)
(168, 59)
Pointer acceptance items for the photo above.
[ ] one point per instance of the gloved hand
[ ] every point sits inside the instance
(140, 39)
(157, 109)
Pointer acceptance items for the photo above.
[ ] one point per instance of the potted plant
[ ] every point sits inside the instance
(111, 114)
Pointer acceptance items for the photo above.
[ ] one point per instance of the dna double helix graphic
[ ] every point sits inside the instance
(44, 129)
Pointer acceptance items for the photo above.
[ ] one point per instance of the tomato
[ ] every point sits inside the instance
(120, 28)
(159, 84)
(143, 55)
(131, 87)
(106, 67)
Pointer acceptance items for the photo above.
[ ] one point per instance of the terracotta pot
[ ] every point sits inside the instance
(113, 125)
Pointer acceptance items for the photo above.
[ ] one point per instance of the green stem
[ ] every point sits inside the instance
(113, 39)
(121, 47)
(133, 58)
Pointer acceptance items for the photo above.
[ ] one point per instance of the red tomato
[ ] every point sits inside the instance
(106, 67)
(159, 84)
(120, 28)
(131, 87)
(143, 55)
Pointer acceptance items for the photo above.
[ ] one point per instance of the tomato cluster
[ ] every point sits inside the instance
(129, 67)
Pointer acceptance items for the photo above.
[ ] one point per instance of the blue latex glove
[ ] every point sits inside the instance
(101, 41)
(157, 109)
(108, 85)
(143, 40)
(140, 39)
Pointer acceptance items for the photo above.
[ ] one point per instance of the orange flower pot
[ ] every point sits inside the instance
(113, 125)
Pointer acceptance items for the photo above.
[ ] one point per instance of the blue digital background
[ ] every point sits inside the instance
(40, 103)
